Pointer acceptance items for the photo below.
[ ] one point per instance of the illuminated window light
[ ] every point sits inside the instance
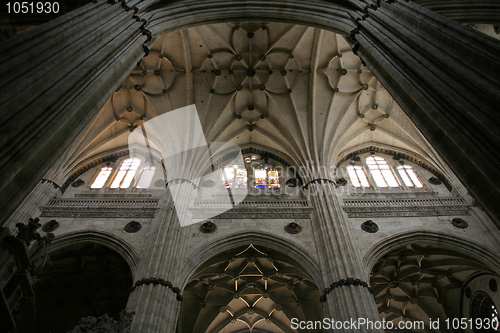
(409, 176)
(381, 172)
(357, 176)
(101, 178)
(126, 173)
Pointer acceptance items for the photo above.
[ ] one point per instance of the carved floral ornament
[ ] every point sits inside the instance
(208, 227)
(369, 226)
(50, 226)
(132, 227)
(293, 228)
(459, 223)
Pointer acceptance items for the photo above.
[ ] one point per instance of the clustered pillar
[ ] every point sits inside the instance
(347, 296)
(156, 298)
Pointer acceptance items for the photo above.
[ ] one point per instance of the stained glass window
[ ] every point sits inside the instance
(266, 177)
(227, 177)
(273, 178)
(260, 178)
(381, 172)
(146, 177)
(126, 173)
(234, 177)
(357, 176)
(101, 178)
(409, 176)
(240, 180)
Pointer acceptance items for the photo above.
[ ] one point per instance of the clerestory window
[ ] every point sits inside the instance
(124, 176)
(234, 177)
(357, 176)
(266, 177)
(101, 178)
(409, 176)
(126, 173)
(381, 172)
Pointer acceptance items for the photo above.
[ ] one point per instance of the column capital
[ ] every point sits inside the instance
(345, 282)
(158, 282)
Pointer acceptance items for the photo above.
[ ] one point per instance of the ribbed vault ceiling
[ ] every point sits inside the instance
(249, 289)
(419, 282)
(292, 89)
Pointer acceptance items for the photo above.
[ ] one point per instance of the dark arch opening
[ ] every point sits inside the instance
(84, 280)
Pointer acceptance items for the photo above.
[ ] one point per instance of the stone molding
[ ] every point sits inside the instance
(130, 32)
(407, 207)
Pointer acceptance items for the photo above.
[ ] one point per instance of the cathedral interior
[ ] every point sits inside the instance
(367, 149)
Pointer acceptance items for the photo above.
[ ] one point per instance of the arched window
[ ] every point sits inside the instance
(102, 177)
(381, 172)
(234, 177)
(409, 176)
(357, 176)
(266, 177)
(146, 177)
(126, 173)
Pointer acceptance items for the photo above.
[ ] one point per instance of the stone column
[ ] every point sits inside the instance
(348, 296)
(54, 79)
(446, 78)
(155, 298)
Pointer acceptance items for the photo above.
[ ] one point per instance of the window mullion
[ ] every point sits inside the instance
(393, 167)
(369, 175)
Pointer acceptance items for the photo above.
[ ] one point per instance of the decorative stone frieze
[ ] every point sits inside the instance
(101, 207)
(279, 209)
(407, 207)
